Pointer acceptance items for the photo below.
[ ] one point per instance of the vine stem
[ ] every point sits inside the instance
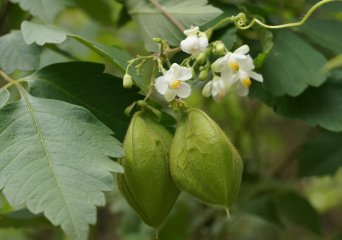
(235, 20)
(172, 19)
(295, 24)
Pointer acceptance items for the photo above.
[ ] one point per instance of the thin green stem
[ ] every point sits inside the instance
(6, 77)
(228, 213)
(219, 24)
(287, 25)
(150, 87)
(240, 20)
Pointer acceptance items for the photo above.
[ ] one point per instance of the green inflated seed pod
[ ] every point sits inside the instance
(146, 183)
(204, 162)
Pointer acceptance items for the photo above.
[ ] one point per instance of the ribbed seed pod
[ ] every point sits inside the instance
(146, 183)
(204, 162)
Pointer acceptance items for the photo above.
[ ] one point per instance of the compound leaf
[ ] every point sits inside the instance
(85, 84)
(152, 22)
(55, 159)
(321, 155)
(41, 34)
(44, 9)
(16, 54)
(292, 65)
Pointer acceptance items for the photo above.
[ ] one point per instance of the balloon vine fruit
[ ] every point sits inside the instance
(147, 184)
(204, 162)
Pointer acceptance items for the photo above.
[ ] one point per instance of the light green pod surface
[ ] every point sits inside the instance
(204, 162)
(147, 184)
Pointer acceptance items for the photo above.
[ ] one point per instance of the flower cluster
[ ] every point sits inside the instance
(236, 70)
(231, 72)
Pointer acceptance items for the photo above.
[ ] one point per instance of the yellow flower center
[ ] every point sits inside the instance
(176, 84)
(246, 82)
(234, 66)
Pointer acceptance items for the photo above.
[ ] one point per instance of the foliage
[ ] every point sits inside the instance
(65, 66)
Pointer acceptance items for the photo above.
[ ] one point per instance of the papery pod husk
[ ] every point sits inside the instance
(204, 162)
(146, 183)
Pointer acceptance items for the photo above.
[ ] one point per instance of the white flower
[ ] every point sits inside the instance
(236, 69)
(216, 88)
(173, 84)
(195, 43)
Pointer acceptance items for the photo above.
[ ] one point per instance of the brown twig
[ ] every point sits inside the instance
(172, 19)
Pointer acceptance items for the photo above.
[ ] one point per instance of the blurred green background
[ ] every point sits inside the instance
(292, 188)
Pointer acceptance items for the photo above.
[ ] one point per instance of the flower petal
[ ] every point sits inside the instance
(241, 90)
(247, 63)
(170, 94)
(190, 44)
(242, 74)
(184, 90)
(161, 84)
(191, 31)
(244, 49)
(256, 76)
(228, 76)
(220, 64)
(181, 73)
(206, 92)
(235, 56)
(203, 42)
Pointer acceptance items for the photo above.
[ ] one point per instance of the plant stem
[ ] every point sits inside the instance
(172, 19)
(6, 77)
(295, 24)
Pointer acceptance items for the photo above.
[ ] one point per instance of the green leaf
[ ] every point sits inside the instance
(321, 155)
(114, 55)
(23, 219)
(264, 207)
(292, 66)
(44, 9)
(326, 33)
(152, 23)
(316, 106)
(42, 34)
(229, 38)
(54, 158)
(86, 85)
(298, 210)
(118, 58)
(99, 10)
(16, 54)
(4, 96)
(13, 234)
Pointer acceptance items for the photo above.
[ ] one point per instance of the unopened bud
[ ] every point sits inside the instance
(219, 49)
(204, 74)
(127, 81)
(201, 59)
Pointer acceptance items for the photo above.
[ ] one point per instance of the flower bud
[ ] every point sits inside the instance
(127, 81)
(204, 73)
(201, 59)
(219, 48)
